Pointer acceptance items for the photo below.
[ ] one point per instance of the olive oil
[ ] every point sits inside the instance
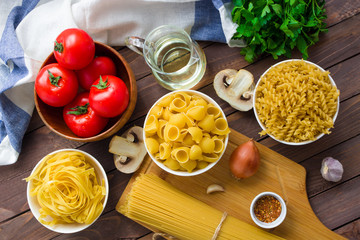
(180, 65)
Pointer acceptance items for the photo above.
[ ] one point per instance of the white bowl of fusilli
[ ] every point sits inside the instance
(296, 102)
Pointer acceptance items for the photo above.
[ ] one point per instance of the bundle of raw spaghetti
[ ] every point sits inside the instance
(155, 203)
(67, 189)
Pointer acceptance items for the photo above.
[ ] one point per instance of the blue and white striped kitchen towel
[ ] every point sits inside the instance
(28, 29)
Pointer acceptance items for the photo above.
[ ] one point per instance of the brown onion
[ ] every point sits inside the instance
(245, 160)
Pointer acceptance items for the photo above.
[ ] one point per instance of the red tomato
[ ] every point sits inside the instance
(109, 96)
(81, 118)
(74, 48)
(98, 66)
(56, 85)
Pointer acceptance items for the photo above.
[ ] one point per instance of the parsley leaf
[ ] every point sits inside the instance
(278, 26)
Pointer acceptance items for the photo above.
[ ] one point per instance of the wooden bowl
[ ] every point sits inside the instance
(52, 116)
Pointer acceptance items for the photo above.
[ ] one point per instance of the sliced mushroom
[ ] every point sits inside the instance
(129, 150)
(235, 87)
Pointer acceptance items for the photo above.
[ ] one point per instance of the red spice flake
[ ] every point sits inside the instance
(267, 209)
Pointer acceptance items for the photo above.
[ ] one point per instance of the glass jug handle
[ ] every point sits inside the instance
(135, 43)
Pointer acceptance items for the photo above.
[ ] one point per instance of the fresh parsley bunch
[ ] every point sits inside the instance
(277, 26)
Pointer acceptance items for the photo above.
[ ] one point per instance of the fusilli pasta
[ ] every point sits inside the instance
(296, 101)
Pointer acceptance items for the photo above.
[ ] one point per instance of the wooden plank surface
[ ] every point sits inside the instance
(335, 204)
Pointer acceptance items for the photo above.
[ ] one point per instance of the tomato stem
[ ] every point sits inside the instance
(101, 84)
(59, 47)
(53, 80)
(79, 110)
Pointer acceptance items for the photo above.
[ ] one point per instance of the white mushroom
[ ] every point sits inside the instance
(235, 87)
(129, 150)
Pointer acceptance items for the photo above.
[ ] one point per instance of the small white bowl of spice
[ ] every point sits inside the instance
(268, 210)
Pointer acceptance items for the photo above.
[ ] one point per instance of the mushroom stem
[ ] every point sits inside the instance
(247, 95)
(240, 83)
(129, 150)
(235, 87)
(122, 146)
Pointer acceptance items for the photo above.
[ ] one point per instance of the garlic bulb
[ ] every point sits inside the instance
(331, 169)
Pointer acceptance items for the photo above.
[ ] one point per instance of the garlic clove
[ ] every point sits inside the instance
(214, 188)
(331, 169)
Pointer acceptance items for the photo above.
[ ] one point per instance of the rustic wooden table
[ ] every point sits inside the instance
(335, 204)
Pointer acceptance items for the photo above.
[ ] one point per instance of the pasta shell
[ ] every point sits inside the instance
(189, 165)
(161, 127)
(151, 125)
(196, 134)
(152, 145)
(197, 113)
(188, 140)
(195, 153)
(178, 120)
(184, 96)
(197, 102)
(202, 164)
(219, 145)
(164, 150)
(177, 105)
(157, 111)
(208, 123)
(221, 127)
(207, 145)
(171, 133)
(181, 154)
(183, 133)
(166, 114)
(212, 110)
(212, 157)
(172, 164)
(189, 122)
(165, 102)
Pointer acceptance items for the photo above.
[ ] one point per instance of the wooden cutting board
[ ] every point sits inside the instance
(276, 174)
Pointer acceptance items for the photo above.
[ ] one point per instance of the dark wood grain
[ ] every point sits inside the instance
(35, 146)
(350, 231)
(338, 205)
(110, 226)
(345, 153)
(335, 204)
(337, 11)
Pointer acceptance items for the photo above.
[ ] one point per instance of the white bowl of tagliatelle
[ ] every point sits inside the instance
(186, 132)
(296, 102)
(67, 190)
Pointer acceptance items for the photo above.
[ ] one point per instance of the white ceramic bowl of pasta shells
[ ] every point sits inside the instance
(196, 171)
(69, 227)
(263, 126)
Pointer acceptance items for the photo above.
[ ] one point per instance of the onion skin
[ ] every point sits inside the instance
(245, 160)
